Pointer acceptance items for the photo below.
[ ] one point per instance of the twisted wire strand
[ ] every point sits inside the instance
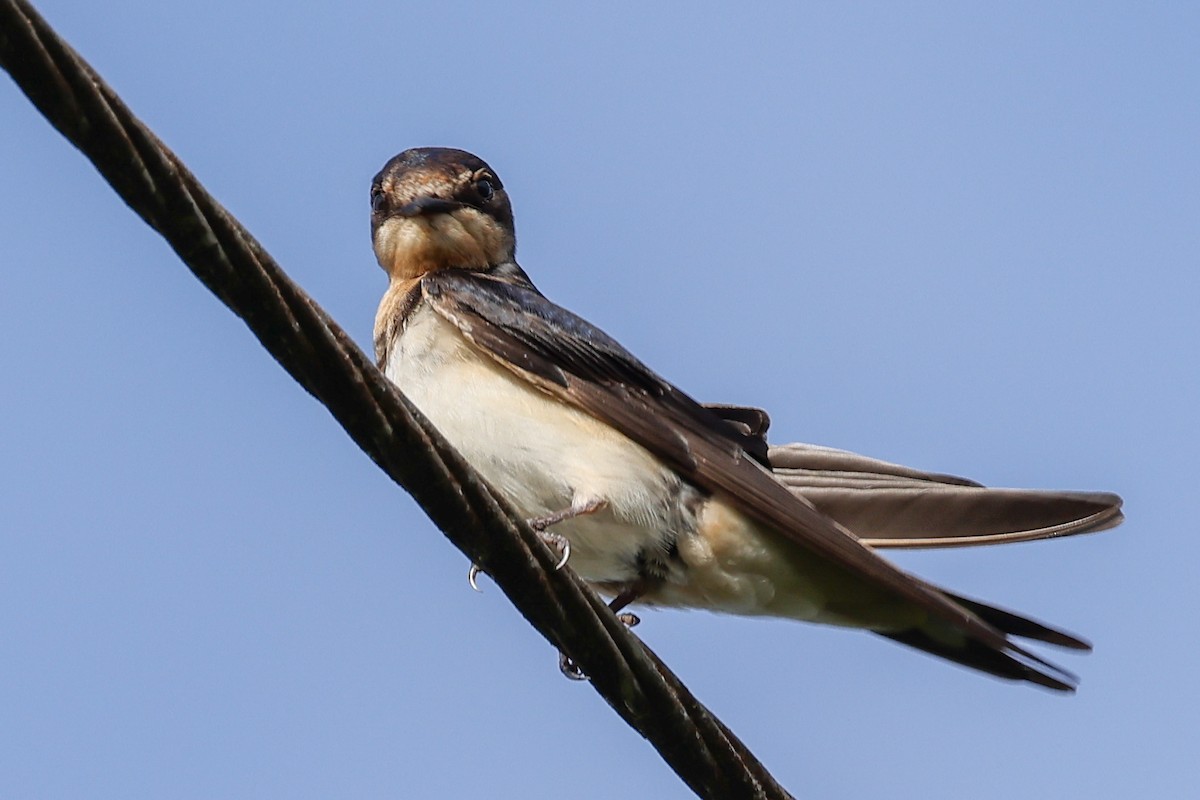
(326, 362)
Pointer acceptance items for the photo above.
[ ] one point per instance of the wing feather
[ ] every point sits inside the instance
(889, 505)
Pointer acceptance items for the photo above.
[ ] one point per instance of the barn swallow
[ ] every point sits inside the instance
(656, 498)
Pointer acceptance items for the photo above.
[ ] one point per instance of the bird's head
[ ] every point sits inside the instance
(433, 208)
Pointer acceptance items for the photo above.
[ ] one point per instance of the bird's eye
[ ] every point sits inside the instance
(485, 188)
(378, 199)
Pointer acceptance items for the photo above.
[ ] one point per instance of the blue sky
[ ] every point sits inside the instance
(958, 236)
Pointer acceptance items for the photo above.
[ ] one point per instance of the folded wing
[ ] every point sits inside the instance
(572, 360)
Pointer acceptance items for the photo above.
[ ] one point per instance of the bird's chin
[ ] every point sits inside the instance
(409, 247)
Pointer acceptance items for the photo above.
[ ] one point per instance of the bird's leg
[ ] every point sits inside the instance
(555, 541)
(632, 591)
(577, 509)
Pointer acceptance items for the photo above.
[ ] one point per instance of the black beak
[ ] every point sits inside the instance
(428, 205)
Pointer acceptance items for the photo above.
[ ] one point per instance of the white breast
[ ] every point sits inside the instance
(544, 456)
(541, 454)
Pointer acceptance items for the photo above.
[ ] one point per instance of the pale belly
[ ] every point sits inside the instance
(544, 457)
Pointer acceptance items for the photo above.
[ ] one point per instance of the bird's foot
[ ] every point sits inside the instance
(570, 669)
(558, 543)
(555, 541)
(629, 620)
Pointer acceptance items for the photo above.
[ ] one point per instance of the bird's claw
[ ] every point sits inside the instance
(570, 669)
(558, 543)
(555, 541)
